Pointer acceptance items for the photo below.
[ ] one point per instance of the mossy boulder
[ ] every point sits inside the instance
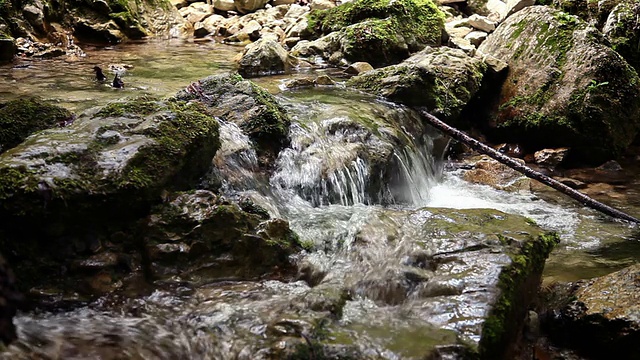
(207, 238)
(622, 30)
(22, 117)
(565, 86)
(249, 106)
(97, 176)
(381, 32)
(95, 21)
(441, 79)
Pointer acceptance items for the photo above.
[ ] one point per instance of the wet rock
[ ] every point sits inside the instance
(252, 108)
(580, 93)
(550, 157)
(460, 252)
(382, 37)
(324, 80)
(264, 57)
(441, 79)
(299, 83)
(603, 318)
(74, 182)
(20, 118)
(206, 239)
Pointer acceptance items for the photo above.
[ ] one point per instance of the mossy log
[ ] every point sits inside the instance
(527, 171)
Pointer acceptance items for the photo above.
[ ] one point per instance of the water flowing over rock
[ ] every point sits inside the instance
(380, 32)
(83, 182)
(247, 105)
(441, 79)
(361, 155)
(205, 238)
(565, 88)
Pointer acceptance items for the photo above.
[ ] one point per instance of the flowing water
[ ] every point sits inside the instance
(351, 185)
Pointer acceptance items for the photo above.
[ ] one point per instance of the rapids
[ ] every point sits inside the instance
(329, 185)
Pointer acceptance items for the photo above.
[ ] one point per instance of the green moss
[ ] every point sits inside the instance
(143, 105)
(373, 27)
(22, 117)
(269, 126)
(186, 126)
(518, 283)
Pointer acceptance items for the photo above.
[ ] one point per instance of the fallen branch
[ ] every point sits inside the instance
(527, 171)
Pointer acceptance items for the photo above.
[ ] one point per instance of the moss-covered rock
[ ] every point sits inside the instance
(381, 32)
(565, 87)
(92, 21)
(249, 106)
(83, 182)
(7, 48)
(441, 79)
(207, 238)
(621, 29)
(20, 118)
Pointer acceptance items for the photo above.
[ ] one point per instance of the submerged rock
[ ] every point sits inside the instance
(83, 183)
(249, 106)
(380, 32)
(565, 87)
(22, 117)
(441, 79)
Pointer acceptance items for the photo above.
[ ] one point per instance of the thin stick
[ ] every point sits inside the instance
(527, 171)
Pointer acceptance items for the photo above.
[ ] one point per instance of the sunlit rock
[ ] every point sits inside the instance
(565, 87)
(442, 79)
(382, 37)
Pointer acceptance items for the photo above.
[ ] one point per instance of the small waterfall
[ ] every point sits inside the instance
(323, 167)
(350, 160)
(236, 162)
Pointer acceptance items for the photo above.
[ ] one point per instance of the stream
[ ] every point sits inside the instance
(319, 187)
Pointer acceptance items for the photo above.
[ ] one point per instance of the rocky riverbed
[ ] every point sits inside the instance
(307, 233)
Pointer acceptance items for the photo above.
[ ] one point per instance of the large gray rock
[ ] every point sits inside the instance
(565, 87)
(442, 79)
(264, 57)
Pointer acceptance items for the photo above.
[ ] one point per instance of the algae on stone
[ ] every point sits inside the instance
(381, 32)
(22, 117)
(565, 87)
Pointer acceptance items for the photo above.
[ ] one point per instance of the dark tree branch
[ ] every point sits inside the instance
(527, 171)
